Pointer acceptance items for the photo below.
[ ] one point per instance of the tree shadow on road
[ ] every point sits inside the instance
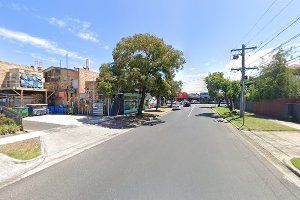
(153, 122)
(210, 115)
(117, 124)
(126, 122)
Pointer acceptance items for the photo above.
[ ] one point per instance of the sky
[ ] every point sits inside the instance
(36, 32)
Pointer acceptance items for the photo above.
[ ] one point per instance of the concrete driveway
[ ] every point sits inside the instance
(45, 122)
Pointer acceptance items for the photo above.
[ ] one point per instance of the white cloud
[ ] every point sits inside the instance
(44, 58)
(91, 36)
(192, 83)
(79, 28)
(19, 7)
(58, 22)
(106, 47)
(47, 45)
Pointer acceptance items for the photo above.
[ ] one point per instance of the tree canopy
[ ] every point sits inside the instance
(276, 80)
(220, 87)
(107, 82)
(143, 62)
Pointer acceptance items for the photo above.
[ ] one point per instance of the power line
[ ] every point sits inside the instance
(273, 18)
(259, 19)
(278, 47)
(293, 59)
(278, 34)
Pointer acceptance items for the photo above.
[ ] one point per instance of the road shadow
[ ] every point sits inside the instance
(205, 107)
(150, 111)
(117, 124)
(153, 122)
(210, 115)
(123, 122)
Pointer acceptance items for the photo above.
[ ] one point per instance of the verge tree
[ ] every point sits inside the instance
(138, 60)
(215, 82)
(276, 80)
(159, 88)
(107, 82)
(234, 93)
(176, 87)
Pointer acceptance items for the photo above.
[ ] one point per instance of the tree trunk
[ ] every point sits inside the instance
(157, 101)
(219, 102)
(141, 105)
(231, 104)
(171, 101)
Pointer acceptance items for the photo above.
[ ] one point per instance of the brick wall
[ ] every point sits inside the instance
(62, 82)
(277, 108)
(86, 75)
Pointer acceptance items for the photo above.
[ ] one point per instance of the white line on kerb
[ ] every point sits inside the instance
(191, 111)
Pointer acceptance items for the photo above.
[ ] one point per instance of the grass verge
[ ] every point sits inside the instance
(252, 122)
(161, 111)
(296, 162)
(24, 150)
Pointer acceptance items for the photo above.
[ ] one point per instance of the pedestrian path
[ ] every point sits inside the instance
(290, 124)
(21, 137)
(281, 144)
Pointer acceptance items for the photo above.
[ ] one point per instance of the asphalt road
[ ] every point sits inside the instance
(190, 155)
(39, 126)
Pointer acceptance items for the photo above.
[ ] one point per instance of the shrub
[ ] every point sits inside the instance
(8, 125)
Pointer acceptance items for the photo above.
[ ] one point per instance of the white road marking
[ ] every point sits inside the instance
(191, 111)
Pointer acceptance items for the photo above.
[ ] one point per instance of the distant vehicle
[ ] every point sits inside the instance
(197, 102)
(193, 101)
(186, 104)
(168, 102)
(177, 106)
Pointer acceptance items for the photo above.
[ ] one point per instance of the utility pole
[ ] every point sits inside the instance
(243, 69)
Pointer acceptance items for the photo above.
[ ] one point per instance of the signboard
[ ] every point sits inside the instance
(131, 103)
(98, 109)
(182, 96)
(204, 95)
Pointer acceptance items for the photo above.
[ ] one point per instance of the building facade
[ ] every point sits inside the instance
(21, 85)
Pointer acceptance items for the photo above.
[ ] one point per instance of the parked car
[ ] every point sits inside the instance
(177, 106)
(186, 104)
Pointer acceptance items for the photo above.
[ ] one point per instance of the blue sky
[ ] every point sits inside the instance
(205, 31)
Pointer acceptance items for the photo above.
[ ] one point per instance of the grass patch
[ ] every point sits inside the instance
(159, 112)
(252, 122)
(296, 162)
(24, 150)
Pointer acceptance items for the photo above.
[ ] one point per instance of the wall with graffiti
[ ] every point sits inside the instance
(29, 80)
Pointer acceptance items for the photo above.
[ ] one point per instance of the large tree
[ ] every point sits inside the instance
(159, 88)
(234, 93)
(107, 82)
(216, 85)
(176, 88)
(276, 80)
(142, 59)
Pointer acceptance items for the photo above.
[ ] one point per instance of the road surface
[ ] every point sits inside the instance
(188, 155)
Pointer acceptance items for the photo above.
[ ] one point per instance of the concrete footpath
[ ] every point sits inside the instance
(57, 144)
(280, 145)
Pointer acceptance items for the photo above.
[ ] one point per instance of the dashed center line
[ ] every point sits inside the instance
(191, 111)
